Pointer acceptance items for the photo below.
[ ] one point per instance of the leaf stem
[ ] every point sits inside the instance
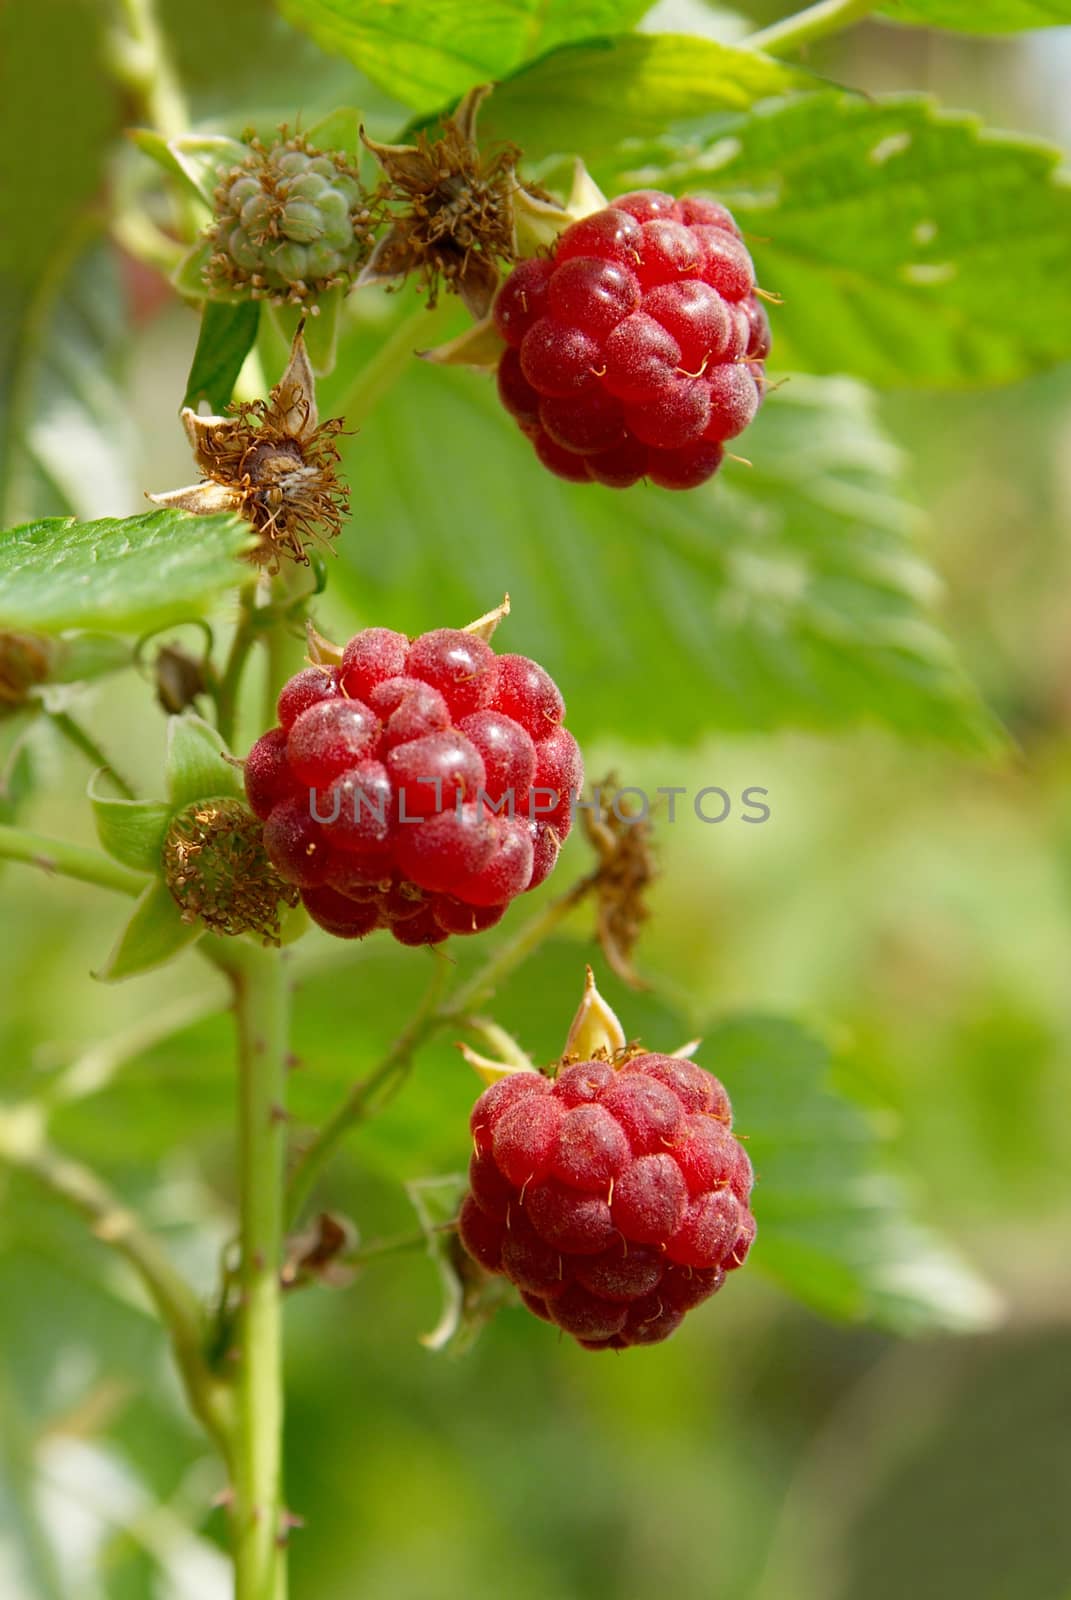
(370, 1093)
(23, 1145)
(378, 375)
(816, 22)
(261, 1005)
(76, 735)
(69, 860)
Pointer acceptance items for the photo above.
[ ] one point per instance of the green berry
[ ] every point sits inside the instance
(302, 223)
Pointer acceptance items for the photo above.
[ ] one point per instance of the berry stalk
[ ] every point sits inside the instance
(261, 1004)
(69, 860)
(816, 22)
(434, 1014)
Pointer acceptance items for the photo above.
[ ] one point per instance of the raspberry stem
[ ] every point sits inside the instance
(816, 22)
(76, 735)
(392, 356)
(140, 60)
(69, 860)
(369, 1094)
(261, 1006)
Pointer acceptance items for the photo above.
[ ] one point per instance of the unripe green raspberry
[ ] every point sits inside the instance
(291, 223)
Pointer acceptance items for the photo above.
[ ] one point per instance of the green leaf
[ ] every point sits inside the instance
(835, 1227)
(228, 333)
(586, 99)
(321, 330)
(424, 52)
(154, 934)
(132, 831)
(18, 766)
(980, 16)
(789, 593)
(197, 767)
(66, 431)
(892, 231)
(131, 573)
(339, 130)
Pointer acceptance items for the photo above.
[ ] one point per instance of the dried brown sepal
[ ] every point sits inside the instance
(291, 223)
(626, 869)
(274, 463)
(218, 873)
(315, 1254)
(26, 660)
(451, 210)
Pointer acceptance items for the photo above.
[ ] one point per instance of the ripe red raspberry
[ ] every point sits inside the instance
(636, 350)
(614, 1198)
(419, 786)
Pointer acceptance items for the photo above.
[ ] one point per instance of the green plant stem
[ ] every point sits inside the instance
(366, 1095)
(69, 860)
(24, 1146)
(369, 1094)
(76, 735)
(790, 35)
(141, 61)
(261, 1004)
(510, 955)
(377, 376)
(230, 681)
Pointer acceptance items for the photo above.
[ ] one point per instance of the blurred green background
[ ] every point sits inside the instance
(911, 905)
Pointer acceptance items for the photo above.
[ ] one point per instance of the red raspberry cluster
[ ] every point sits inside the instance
(441, 775)
(636, 350)
(616, 1199)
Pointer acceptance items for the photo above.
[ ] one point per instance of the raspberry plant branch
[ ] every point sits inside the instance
(375, 379)
(261, 1007)
(230, 681)
(77, 736)
(24, 1146)
(816, 22)
(369, 1094)
(139, 58)
(69, 860)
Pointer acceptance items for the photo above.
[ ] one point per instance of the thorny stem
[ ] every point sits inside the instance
(791, 34)
(24, 1146)
(69, 860)
(368, 1095)
(76, 735)
(261, 1005)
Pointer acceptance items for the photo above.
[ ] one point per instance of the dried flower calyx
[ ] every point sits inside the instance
(26, 660)
(274, 463)
(218, 873)
(291, 222)
(621, 838)
(452, 210)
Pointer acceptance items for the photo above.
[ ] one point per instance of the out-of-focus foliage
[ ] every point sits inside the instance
(908, 901)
